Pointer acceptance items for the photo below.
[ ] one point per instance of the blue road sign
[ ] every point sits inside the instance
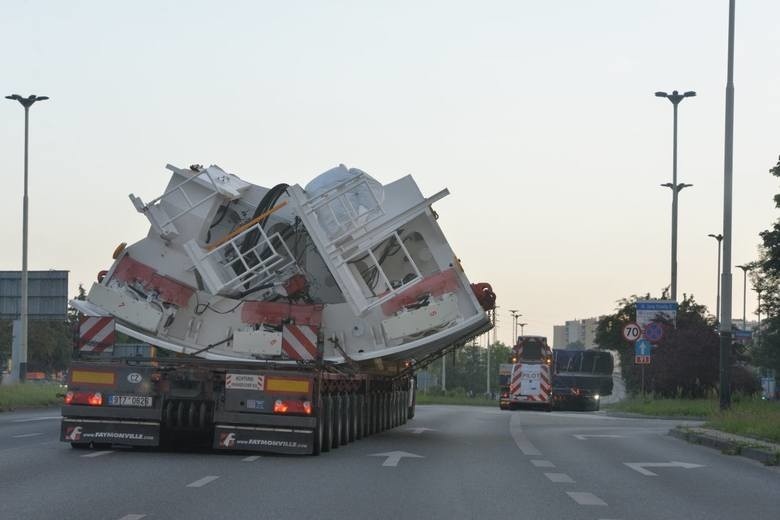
(654, 331)
(643, 348)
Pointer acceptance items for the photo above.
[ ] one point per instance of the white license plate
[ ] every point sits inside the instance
(130, 400)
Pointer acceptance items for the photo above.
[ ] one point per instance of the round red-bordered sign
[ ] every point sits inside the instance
(632, 332)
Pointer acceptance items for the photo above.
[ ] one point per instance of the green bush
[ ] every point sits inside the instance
(28, 395)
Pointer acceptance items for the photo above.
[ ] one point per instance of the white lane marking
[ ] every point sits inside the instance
(25, 435)
(640, 466)
(559, 478)
(132, 517)
(585, 499)
(251, 458)
(47, 418)
(97, 453)
(542, 463)
(202, 482)
(394, 457)
(520, 439)
(583, 437)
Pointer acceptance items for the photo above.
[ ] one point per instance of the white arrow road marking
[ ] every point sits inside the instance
(25, 435)
(583, 437)
(420, 430)
(640, 466)
(394, 457)
(97, 454)
(202, 482)
(585, 499)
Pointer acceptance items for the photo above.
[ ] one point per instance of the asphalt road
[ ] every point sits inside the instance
(456, 462)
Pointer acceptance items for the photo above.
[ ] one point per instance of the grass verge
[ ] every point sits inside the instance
(749, 417)
(459, 400)
(28, 395)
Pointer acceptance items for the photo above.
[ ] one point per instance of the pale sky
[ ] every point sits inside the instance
(538, 116)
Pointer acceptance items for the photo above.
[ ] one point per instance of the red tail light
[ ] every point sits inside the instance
(292, 407)
(89, 398)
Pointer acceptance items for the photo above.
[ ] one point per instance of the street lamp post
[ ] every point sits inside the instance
(675, 98)
(521, 327)
(717, 237)
(515, 315)
(745, 268)
(26, 103)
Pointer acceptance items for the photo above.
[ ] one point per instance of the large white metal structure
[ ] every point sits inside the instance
(346, 269)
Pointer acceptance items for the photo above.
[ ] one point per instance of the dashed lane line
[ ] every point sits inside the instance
(586, 499)
(202, 482)
(132, 517)
(542, 463)
(559, 478)
(25, 435)
(251, 458)
(97, 454)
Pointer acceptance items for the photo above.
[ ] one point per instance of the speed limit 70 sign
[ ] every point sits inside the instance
(632, 332)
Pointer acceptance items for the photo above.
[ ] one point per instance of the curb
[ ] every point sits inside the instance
(630, 415)
(728, 446)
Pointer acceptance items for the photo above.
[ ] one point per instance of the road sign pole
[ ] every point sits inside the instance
(643, 381)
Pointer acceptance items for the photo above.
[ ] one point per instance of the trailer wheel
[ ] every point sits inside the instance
(319, 431)
(346, 412)
(372, 405)
(360, 416)
(337, 421)
(353, 418)
(79, 445)
(383, 412)
(327, 433)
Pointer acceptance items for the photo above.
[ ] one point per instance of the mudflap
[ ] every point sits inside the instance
(132, 433)
(271, 440)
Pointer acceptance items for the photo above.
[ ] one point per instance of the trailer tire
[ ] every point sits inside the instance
(79, 445)
(353, 418)
(373, 416)
(327, 434)
(319, 431)
(361, 416)
(346, 412)
(337, 421)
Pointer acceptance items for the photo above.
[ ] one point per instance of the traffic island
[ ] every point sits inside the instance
(767, 453)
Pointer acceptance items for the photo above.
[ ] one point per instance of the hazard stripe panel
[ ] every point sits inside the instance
(96, 333)
(299, 342)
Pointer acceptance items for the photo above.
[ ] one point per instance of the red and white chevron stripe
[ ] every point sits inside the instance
(300, 342)
(96, 333)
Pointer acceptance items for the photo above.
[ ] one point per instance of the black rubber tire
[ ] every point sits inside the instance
(327, 434)
(337, 421)
(361, 416)
(345, 421)
(353, 418)
(79, 445)
(319, 429)
(383, 412)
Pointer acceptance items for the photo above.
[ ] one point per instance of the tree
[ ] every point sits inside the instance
(685, 362)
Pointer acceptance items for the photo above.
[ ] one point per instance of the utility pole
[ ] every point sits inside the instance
(745, 268)
(22, 363)
(728, 161)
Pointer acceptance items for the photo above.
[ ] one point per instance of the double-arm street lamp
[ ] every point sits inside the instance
(675, 98)
(719, 238)
(521, 327)
(26, 103)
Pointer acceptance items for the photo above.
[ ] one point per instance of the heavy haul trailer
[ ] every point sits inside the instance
(230, 405)
(296, 315)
